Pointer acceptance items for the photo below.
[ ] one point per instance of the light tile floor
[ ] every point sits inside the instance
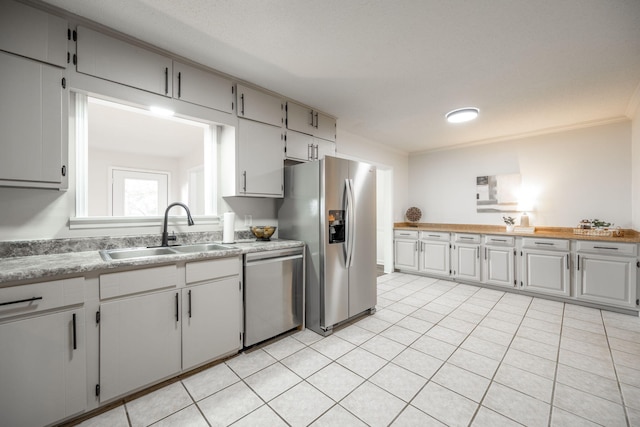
(435, 353)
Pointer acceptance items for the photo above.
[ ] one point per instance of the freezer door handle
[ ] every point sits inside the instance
(351, 222)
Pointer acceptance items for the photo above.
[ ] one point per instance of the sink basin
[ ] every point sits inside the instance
(132, 253)
(135, 253)
(204, 247)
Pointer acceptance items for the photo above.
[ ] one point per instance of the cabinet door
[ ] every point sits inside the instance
(324, 148)
(260, 159)
(118, 61)
(607, 280)
(211, 321)
(499, 265)
(139, 342)
(300, 118)
(325, 126)
(259, 106)
(201, 87)
(434, 257)
(33, 101)
(299, 146)
(42, 375)
(467, 262)
(406, 254)
(546, 272)
(33, 33)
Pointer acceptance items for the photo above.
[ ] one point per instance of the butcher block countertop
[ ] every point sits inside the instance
(630, 236)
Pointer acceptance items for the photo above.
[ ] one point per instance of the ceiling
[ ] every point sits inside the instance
(390, 70)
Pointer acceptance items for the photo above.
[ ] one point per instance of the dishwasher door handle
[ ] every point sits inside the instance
(272, 260)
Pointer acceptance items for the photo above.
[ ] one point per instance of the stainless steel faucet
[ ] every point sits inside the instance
(165, 235)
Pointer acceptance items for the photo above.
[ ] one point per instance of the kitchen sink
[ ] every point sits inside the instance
(204, 247)
(132, 253)
(136, 253)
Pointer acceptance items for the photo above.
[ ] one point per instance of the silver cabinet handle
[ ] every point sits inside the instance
(309, 151)
(179, 84)
(311, 117)
(605, 247)
(244, 181)
(544, 243)
(485, 254)
(242, 103)
(578, 263)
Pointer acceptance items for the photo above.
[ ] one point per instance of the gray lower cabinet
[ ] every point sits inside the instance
(498, 261)
(592, 271)
(139, 342)
(466, 256)
(211, 311)
(546, 266)
(435, 253)
(43, 367)
(157, 322)
(606, 273)
(405, 251)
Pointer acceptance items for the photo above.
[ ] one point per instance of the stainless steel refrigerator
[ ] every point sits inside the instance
(331, 205)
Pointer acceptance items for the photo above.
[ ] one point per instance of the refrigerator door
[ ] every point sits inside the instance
(362, 273)
(335, 289)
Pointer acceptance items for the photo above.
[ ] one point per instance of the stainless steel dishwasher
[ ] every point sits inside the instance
(273, 293)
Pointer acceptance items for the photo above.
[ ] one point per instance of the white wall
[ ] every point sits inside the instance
(584, 173)
(100, 161)
(384, 157)
(635, 162)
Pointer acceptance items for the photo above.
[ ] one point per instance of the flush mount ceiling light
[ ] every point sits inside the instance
(462, 115)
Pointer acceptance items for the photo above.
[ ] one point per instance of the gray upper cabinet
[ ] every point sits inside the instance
(111, 59)
(34, 124)
(201, 87)
(259, 160)
(33, 33)
(259, 106)
(307, 120)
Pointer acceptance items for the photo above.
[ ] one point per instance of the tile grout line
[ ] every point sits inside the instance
(555, 373)
(615, 372)
(492, 379)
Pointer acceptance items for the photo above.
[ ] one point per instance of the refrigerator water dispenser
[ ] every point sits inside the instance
(336, 227)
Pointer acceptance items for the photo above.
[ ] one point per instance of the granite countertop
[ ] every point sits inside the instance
(630, 236)
(14, 270)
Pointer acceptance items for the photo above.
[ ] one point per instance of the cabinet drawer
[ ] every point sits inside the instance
(466, 238)
(434, 235)
(607, 248)
(547, 244)
(405, 234)
(26, 299)
(499, 240)
(136, 281)
(212, 269)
